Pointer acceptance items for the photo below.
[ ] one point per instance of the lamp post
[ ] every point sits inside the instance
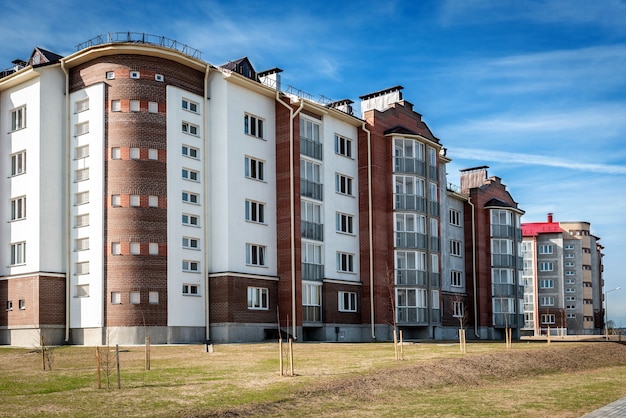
(606, 312)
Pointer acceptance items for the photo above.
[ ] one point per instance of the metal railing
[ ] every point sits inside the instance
(140, 38)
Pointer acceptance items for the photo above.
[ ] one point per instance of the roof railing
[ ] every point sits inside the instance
(140, 38)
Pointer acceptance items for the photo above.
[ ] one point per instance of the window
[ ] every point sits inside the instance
(569, 255)
(116, 200)
(501, 217)
(343, 184)
(190, 174)
(253, 126)
(153, 201)
(18, 253)
(9, 305)
(135, 248)
(153, 298)
(191, 197)
(135, 298)
(82, 268)
(432, 156)
(190, 106)
(458, 309)
(153, 248)
(135, 153)
(18, 208)
(116, 106)
(116, 298)
(81, 128)
(347, 301)
(255, 169)
(434, 195)
(188, 128)
(343, 146)
(153, 154)
(571, 316)
(502, 276)
(408, 148)
(81, 152)
(110, 75)
(81, 244)
(134, 106)
(569, 247)
(191, 290)
(547, 318)
(570, 281)
(255, 255)
(153, 107)
(18, 118)
(546, 266)
(455, 217)
(344, 223)
(81, 291)
(258, 298)
(81, 174)
(159, 77)
(570, 298)
(116, 248)
(191, 220)
(81, 220)
(134, 74)
(81, 198)
(455, 248)
(191, 266)
(570, 290)
(191, 243)
(456, 278)
(190, 152)
(18, 163)
(134, 200)
(570, 264)
(116, 153)
(434, 299)
(546, 301)
(546, 249)
(345, 262)
(501, 246)
(22, 304)
(570, 307)
(255, 211)
(546, 284)
(570, 273)
(81, 105)
(311, 302)
(409, 222)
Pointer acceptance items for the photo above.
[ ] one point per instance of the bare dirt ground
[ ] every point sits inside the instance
(469, 372)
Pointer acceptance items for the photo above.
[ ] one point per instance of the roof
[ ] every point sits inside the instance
(243, 67)
(499, 203)
(535, 228)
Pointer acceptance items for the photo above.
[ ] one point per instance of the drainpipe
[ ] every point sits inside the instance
(292, 116)
(207, 246)
(474, 269)
(371, 232)
(68, 217)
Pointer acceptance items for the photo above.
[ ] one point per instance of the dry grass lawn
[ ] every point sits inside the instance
(529, 380)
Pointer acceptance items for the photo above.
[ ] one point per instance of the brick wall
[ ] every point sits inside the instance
(229, 300)
(44, 301)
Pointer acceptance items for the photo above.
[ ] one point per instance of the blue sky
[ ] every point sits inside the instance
(534, 89)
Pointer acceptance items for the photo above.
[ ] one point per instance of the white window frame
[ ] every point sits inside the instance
(190, 128)
(81, 268)
(456, 248)
(153, 248)
(134, 297)
(153, 107)
(188, 219)
(116, 200)
(159, 77)
(344, 184)
(546, 284)
(135, 75)
(258, 298)
(190, 152)
(191, 243)
(454, 217)
(254, 169)
(546, 266)
(190, 106)
(344, 223)
(82, 174)
(190, 289)
(116, 105)
(548, 319)
(458, 309)
(153, 297)
(18, 253)
(256, 255)
(347, 301)
(81, 152)
(345, 262)
(18, 118)
(135, 106)
(190, 175)
(81, 128)
(18, 208)
(18, 163)
(191, 266)
(81, 220)
(81, 291)
(254, 126)
(81, 244)
(191, 198)
(116, 298)
(255, 211)
(343, 146)
(81, 198)
(116, 248)
(135, 248)
(116, 153)
(134, 153)
(546, 249)
(456, 278)
(135, 200)
(546, 301)
(153, 201)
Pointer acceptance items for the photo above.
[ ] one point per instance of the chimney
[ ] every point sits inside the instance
(550, 217)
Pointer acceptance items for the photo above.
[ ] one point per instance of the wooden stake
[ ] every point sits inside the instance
(98, 367)
(280, 355)
(43, 352)
(395, 342)
(401, 346)
(291, 355)
(117, 357)
(147, 353)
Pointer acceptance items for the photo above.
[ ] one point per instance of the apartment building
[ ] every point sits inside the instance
(562, 278)
(493, 255)
(154, 194)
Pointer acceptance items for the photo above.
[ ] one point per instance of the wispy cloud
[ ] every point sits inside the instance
(532, 159)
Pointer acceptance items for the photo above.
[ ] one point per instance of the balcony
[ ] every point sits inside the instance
(409, 202)
(507, 260)
(412, 316)
(502, 320)
(311, 189)
(312, 271)
(411, 240)
(409, 165)
(140, 38)
(311, 314)
(311, 148)
(312, 230)
(411, 277)
(433, 173)
(503, 290)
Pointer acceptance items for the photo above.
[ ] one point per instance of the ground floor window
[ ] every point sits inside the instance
(258, 298)
(311, 303)
(347, 302)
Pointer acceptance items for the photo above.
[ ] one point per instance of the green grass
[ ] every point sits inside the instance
(331, 380)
